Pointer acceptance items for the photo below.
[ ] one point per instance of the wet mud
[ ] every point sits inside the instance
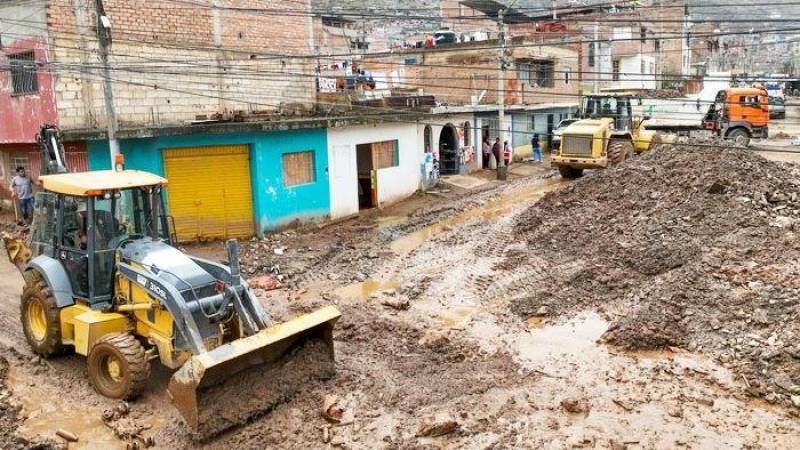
(688, 247)
(459, 333)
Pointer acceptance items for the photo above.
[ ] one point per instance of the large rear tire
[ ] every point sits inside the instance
(118, 366)
(41, 318)
(619, 150)
(740, 136)
(570, 172)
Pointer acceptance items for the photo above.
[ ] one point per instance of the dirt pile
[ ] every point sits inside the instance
(255, 392)
(390, 377)
(10, 419)
(695, 247)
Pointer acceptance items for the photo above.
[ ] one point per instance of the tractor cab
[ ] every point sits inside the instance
(81, 219)
(614, 106)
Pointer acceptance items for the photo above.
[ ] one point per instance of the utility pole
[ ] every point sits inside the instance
(555, 11)
(502, 59)
(596, 53)
(104, 40)
(216, 26)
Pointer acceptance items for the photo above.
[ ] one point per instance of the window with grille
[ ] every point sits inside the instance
(537, 73)
(385, 154)
(615, 70)
(542, 72)
(298, 168)
(592, 53)
(23, 73)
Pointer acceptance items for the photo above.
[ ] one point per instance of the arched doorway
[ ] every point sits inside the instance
(448, 150)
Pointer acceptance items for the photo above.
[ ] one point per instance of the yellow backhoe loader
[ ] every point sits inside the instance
(104, 279)
(607, 134)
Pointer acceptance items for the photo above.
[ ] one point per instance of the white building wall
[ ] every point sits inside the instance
(394, 183)
(470, 146)
(637, 72)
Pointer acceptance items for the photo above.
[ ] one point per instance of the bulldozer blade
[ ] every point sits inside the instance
(243, 379)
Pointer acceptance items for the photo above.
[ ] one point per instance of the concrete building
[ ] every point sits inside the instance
(170, 64)
(233, 180)
(372, 165)
(27, 94)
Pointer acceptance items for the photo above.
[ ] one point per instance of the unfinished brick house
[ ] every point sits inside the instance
(467, 73)
(171, 62)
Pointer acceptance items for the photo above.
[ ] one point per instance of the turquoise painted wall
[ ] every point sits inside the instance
(275, 205)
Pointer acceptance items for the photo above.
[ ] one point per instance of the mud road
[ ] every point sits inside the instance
(429, 352)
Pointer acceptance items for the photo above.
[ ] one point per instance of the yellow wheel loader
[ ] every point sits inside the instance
(103, 279)
(607, 134)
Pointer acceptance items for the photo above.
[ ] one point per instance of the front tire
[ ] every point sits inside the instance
(570, 172)
(619, 150)
(118, 366)
(41, 317)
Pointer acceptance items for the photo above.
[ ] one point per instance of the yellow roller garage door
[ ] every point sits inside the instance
(209, 192)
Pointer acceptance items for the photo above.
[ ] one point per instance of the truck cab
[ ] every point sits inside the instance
(739, 114)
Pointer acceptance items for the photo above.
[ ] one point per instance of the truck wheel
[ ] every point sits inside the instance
(570, 172)
(118, 366)
(41, 321)
(619, 150)
(740, 136)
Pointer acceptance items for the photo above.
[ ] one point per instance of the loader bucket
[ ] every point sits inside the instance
(18, 252)
(238, 381)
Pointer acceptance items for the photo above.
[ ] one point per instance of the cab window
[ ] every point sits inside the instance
(75, 216)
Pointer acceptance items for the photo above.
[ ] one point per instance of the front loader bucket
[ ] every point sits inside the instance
(18, 252)
(238, 381)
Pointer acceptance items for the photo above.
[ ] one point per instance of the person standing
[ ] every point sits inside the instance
(537, 148)
(496, 150)
(22, 188)
(506, 153)
(487, 150)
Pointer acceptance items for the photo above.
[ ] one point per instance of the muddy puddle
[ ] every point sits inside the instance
(575, 340)
(501, 206)
(46, 413)
(365, 289)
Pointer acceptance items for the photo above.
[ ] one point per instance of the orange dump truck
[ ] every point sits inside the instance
(738, 114)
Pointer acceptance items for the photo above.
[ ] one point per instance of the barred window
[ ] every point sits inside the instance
(23, 73)
(298, 168)
(542, 72)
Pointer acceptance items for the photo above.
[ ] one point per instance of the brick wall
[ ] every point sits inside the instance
(455, 76)
(165, 63)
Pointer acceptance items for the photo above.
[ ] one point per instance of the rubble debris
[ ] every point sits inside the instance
(330, 410)
(67, 435)
(396, 303)
(265, 282)
(436, 425)
(128, 427)
(576, 405)
(686, 246)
